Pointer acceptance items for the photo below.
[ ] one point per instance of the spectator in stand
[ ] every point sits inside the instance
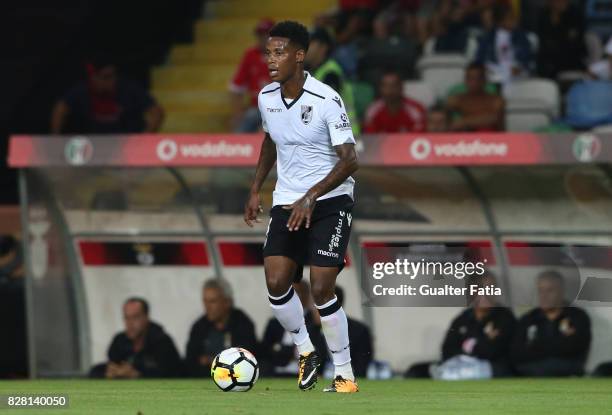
(505, 50)
(252, 75)
(278, 354)
(222, 326)
(554, 338)
(327, 70)
(387, 49)
(143, 350)
(350, 24)
(448, 29)
(602, 69)
(561, 38)
(476, 109)
(106, 104)
(437, 119)
(392, 112)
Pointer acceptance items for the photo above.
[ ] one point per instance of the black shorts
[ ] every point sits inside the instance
(324, 244)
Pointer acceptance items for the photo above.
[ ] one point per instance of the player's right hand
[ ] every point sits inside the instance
(252, 209)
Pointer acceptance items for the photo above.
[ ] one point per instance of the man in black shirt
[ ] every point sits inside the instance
(223, 326)
(106, 104)
(553, 339)
(142, 350)
(483, 331)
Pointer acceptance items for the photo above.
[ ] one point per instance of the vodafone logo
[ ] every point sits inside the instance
(420, 148)
(167, 150)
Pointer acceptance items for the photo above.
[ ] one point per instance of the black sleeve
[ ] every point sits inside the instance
(522, 350)
(574, 346)
(116, 350)
(496, 348)
(192, 355)
(167, 360)
(243, 335)
(273, 336)
(452, 345)
(334, 81)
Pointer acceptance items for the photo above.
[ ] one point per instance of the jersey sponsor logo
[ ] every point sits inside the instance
(334, 241)
(337, 101)
(306, 114)
(344, 123)
(274, 109)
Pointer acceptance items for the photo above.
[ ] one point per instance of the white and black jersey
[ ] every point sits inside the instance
(305, 130)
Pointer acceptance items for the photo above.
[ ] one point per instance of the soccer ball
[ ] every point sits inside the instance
(235, 370)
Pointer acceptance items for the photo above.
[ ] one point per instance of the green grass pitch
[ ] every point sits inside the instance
(275, 396)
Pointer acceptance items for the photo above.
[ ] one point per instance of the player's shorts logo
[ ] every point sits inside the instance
(306, 113)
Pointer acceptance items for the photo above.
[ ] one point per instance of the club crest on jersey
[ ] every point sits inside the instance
(306, 113)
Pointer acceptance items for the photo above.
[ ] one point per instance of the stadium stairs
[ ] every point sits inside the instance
(193, 85)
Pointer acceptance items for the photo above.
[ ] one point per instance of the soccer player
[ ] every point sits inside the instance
(308, 135)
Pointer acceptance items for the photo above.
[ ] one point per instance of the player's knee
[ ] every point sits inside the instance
(278, 284)
(321, 292)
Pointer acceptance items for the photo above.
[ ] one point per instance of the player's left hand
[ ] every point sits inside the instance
(301, 210)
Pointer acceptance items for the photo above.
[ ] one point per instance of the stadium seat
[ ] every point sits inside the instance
(420, 91)
(534, 94)
(589, 104)
(470, 50)
(607, 128)
(525, 119)
(442, 71)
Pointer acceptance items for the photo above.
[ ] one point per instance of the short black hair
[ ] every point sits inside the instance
(478, 66)
(294, 31)
(142, 301)
(500, 11)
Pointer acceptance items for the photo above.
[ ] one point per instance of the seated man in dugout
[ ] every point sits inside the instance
(143, 350)
(554, 338)
(482, 331)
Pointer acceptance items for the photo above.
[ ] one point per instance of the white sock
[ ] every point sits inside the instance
(289, 312)
(335, 329)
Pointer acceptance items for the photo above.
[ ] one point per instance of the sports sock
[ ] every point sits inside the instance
(289, 312)
(335, 329)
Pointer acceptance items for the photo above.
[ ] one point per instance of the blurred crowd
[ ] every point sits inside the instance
(484, 341)
(368, 49)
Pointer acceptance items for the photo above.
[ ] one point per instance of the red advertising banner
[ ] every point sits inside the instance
(456, 149)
